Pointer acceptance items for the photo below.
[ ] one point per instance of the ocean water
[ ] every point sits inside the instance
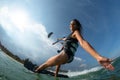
(13, 70)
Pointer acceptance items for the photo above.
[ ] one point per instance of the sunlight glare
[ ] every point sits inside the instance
(4, 10)
(19, 19)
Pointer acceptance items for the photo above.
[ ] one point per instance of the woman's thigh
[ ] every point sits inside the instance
(59, 59)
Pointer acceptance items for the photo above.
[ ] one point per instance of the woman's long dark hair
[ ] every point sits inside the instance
(79, 26)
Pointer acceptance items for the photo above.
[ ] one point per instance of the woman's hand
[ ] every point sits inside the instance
(106, 63)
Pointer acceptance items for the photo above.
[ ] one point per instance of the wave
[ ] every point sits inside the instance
(12, 70)
(86, 71)
(97, 73)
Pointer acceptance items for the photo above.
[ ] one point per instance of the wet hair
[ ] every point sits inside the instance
(79, 26)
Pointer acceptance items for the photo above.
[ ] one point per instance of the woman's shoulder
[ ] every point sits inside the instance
(76, 32)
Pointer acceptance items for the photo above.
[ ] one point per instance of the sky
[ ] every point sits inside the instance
(25, 24)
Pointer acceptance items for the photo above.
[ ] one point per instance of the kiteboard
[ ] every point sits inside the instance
(30, 66)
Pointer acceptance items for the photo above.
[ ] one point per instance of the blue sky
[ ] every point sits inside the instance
(24, 25)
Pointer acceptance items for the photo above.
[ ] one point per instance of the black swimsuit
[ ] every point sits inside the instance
(70, 47)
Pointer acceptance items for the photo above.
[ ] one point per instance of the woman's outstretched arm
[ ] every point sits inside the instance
(105, 62)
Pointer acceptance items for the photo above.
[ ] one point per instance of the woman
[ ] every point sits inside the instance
(70, 47)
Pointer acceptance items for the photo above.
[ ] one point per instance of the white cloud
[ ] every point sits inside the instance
(77, 58)
(83, 65)
(28, 35)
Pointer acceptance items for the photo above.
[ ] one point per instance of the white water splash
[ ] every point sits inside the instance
(86, 71)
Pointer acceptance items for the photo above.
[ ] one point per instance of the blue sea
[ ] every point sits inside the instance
(13, 70)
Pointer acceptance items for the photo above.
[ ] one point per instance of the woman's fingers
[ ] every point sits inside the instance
(109, 67)
(106, 63)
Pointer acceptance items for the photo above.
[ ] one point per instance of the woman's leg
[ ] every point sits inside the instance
(55, 60)
(57, 70)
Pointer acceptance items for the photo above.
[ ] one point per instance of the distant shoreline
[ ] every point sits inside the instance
(15, 57)
(6, 51)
